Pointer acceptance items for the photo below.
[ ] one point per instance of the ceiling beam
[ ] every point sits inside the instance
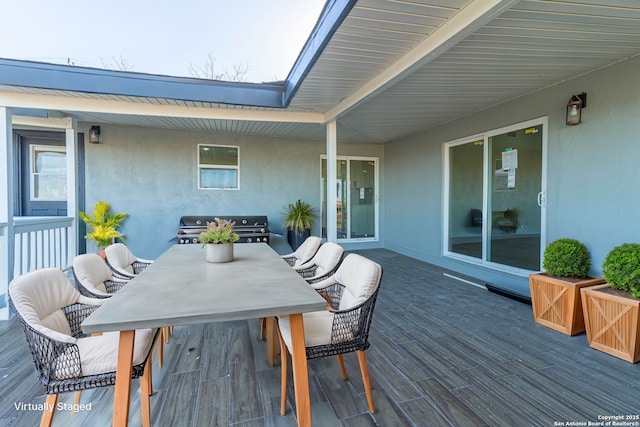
(70, 104)
(464, 23)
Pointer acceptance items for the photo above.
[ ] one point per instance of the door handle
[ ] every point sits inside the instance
(541, 199)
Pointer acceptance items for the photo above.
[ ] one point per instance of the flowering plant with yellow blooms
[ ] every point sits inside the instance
(104, 224)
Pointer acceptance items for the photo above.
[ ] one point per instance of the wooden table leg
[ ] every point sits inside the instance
(273, 345)
(123, 379)
(300, 371)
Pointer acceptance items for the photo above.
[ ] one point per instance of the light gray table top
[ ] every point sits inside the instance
(181, 288)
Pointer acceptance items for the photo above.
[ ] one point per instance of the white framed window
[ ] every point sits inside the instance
(48, 173)
(218, 167)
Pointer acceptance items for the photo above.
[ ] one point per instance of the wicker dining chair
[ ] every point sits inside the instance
(94, 278)
(323, 264)
(344, 326)
(123, 263)
(51, 310)
(305, 251)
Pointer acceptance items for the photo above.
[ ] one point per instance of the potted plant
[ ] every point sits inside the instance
(555, 293)
(298, 222)
(104, 225)
(218, 240)
(612, 310)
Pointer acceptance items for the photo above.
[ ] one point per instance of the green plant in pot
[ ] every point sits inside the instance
(219, 231)
(621, 268)
(104, 225)
(298, 222)
(555, 293)
(612, 310)
(567, 258)
(218, 240)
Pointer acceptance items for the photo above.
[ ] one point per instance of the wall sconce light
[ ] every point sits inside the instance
(94, 135)
(574, 108)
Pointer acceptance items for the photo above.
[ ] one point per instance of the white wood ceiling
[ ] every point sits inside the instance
(394, 68)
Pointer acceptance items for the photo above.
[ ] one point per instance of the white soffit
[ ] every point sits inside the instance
(532, 45)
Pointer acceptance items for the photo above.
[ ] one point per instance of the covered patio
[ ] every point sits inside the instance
(403, 87)
(443, 352)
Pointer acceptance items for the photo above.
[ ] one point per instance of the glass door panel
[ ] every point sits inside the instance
(356, 192)
(515, 165)
(362, 206)
(465, 199)
(341, 190)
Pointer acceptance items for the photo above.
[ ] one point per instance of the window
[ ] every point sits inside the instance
(357, 200)
(48, 173)
(218, 167)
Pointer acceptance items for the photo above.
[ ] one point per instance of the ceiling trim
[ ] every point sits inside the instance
(67, 103)
(468, 20)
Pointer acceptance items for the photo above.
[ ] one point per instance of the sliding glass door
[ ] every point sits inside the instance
(495, 200)
(357, 201)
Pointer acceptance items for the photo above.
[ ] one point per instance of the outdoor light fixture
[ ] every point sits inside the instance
(574, 108)
(94, 135)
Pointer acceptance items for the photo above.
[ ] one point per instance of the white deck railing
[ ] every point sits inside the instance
(33, 243)
(41, 242)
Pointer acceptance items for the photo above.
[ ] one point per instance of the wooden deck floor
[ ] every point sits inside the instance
(443, 353)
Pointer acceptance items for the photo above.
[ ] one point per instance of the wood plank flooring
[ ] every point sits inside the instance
(443, 353)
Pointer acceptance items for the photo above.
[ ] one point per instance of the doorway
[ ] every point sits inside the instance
(495, 182)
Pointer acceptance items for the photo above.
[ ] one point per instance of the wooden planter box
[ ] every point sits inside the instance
(612, 321)
(556, 302)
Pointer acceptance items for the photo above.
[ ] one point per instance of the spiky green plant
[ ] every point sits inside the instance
(299, 216)
(104, 225)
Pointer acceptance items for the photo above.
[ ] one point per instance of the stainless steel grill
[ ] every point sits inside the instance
(249, 228)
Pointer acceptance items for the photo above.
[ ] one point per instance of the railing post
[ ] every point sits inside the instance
(6, 208)
(72, 188)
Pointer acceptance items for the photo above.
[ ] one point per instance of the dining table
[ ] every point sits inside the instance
(181, 288)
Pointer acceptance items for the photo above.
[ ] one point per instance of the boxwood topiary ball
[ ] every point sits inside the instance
(621, 268)
(567, 258)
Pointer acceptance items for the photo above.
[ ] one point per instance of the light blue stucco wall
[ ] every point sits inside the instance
(151, 174)
(593, 172)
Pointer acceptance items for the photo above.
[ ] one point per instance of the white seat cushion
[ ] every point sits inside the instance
(360, 277)
(39, 297)
(120, 257)
(327, 257)
(92, 272)
(99, 354)
(307, 249)
(317, 328)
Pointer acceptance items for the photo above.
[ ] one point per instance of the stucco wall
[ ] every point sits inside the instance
(151, 174)
(593, 173)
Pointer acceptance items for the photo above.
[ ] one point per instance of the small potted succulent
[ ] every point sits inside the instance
(298, 222)
(218, 240)
(104, 225)
(555, 292)
(612, 310)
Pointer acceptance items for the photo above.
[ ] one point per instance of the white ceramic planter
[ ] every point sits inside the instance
(219, 252)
